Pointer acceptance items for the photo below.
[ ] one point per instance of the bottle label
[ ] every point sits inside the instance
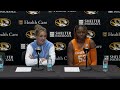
(1, 65)
(49, 65)
(105, 66)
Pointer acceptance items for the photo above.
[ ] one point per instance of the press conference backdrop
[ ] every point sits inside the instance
(17, 31)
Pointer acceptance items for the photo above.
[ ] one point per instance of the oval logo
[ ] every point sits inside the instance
(91, 34)
(60, 46)
(62, 22)
(5, 46)
(31, 34)
(115, 22)
(4, 22)
(33, 12)
(115, 46)
(91, 12)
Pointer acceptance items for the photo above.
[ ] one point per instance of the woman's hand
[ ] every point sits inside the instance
(43, 59)
(31, 57)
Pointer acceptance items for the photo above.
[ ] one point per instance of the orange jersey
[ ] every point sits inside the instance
(80, 56)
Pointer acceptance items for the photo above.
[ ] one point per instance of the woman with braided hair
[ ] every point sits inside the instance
(75, 52)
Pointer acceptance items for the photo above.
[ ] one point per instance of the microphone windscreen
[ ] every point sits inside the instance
(38, 48)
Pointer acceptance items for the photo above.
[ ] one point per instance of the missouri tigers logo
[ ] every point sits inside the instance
(31, 34)
(91, 12)
(60, 46)
(115, 22)
(5, 46)
(91, 34)
(33, 12)
(62, 22)
(4, 22)
(115, 46)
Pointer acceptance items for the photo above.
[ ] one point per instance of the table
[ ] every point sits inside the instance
(58, 73)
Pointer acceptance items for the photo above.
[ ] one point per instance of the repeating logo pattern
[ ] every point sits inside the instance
(59, 46)
(62, 22)
(115, 46)
(91, 12)
(33, 12)
(4, 22)
(4, 46)
(19, 29)
(115, 22)
(30, 34)
(91, 34)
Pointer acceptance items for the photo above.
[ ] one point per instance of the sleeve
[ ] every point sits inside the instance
(28, 60)
(93, 56)
(52, 54)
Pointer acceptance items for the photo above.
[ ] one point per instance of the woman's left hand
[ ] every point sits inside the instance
(43, 59)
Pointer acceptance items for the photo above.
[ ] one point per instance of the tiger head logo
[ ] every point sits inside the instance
(4, 46)
(115, 22)
(91, 12)
(33, 12)
(60, 46)
(62, 22)
(4, 22)
(115, 46)
(31, 34)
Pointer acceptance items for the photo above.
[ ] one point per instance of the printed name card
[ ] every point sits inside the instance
(23, 69)
(71, 69)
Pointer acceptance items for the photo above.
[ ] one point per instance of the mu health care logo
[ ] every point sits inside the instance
(59, 46)
(115, 46)
(30, 34)
(115, 22)
(10, 34)
(33, 12)
(105, 34)
(4, 46)
(30, 22)
(91, 12)
(61, 22)
(4, 22)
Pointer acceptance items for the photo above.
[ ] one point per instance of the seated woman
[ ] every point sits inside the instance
(75, 52)
(47, 48)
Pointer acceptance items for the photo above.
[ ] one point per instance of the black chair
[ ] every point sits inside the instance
(23, 57)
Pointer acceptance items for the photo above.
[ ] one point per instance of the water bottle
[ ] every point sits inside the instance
(1, 63)
(105, 63)
(49, 64)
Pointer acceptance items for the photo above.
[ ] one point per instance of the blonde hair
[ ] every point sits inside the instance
(38, 28)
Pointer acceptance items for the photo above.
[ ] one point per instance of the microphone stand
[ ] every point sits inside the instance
(86, 67)
(38, 67)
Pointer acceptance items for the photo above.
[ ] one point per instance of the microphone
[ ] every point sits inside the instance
(38, 50)
(86, 50)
